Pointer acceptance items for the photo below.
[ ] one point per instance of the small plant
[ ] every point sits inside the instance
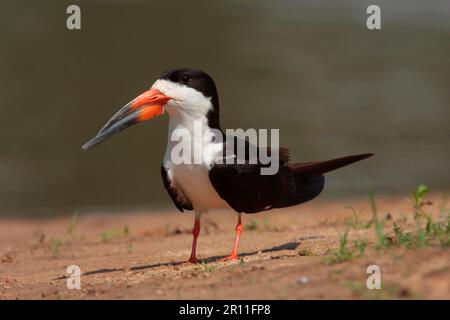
(402, 237)
(126, 231)
(427, 231)
(56, 244)
(343, 243)
(360, 246)
(381, 238)
(381, 242)
(342, 253)
(110, 234)
(355, 222)
(423, 235)
(252, 226)
(417, 200)
(206, 267)
(440, 231)
(107, 235)
(422, 239)
(390, 291)
(269, 227)
(337, 271)
(72, 224)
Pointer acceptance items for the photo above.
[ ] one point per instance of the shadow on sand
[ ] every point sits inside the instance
(287, 246)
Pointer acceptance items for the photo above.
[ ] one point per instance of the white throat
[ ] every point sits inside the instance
(187, 111)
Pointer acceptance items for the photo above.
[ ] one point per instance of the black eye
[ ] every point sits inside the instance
(185, 78)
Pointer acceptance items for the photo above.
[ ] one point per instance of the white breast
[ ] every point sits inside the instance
(193, 179)
(187, 108)
(194, 182)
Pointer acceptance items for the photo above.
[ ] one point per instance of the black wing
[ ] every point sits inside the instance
(178, 198)
(244, 188)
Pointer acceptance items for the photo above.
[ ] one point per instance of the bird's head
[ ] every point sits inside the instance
(186, 93)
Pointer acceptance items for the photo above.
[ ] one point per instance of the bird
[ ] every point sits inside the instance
(190, 96)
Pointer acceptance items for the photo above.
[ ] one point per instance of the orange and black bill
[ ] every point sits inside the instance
(146, 106)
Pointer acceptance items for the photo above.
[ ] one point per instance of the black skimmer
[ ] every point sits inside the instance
(190, 96)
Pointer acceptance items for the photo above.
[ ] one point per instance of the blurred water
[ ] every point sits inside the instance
(310, 68)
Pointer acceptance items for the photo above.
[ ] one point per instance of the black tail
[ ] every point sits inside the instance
(320, 167)
(309, 179)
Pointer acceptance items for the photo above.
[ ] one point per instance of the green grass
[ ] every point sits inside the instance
(381, 241)
(355, 221)
(417, 200)
(443, 233)
(402, 238)
(342, 253)
(72, 224)
(427, 231)
(57, 243)
(270, 227)
(111, 234)
(126, 231)
(205, 267)
(360, 245)
(266, 224)
(107, 235)
(423, 237)
(252, 226)
(389, 291)
(439, 231)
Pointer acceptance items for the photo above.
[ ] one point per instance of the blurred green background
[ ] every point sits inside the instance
(310, 68)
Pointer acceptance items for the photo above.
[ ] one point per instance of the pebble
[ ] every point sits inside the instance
(302, 280)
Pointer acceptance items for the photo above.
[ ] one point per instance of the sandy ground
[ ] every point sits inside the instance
(284, 252)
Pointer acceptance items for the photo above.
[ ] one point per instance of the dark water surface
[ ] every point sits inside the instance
(311, 69)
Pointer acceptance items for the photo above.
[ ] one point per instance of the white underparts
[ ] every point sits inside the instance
(188, 108)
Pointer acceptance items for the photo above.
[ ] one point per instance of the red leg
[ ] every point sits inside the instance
(195, 233)
(233, 255)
